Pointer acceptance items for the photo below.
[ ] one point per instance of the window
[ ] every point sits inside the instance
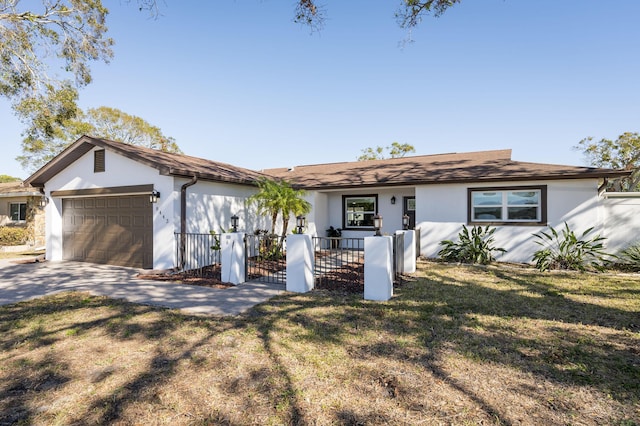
(18, 212)
(524, 205)
(98, 161)
(359, 211)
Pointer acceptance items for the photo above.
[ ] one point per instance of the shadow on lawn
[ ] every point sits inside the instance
(438, 315)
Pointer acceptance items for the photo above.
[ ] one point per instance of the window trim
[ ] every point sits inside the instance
(344, 211)
(543, 206)
(18, 203)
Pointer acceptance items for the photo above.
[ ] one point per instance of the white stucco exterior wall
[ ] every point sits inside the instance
(391, 213)
(119, 171)
(622, 220)
(441, 210)
(210, 206)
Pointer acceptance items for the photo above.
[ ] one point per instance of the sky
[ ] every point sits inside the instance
(238, 81)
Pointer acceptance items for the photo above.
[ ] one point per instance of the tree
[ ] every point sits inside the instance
(7, 178)
(291, 202)
(36, 35)
(54, 121)
(623, 153)
(276, 198)
(111, 123)
(408, 15)
(73, 33)
(396, 150)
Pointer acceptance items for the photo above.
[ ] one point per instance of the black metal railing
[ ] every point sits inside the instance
(265, 258)
(199, 254)
(339, 263)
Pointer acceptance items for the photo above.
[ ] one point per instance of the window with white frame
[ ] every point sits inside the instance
(508, 205)
(18, 212)
(359, 211)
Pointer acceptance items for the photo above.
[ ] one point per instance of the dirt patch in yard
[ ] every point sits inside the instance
(204, 277)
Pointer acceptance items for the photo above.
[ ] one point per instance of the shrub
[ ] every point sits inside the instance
(629, 258)
(13, 236)
(473, 247)
(565, 250)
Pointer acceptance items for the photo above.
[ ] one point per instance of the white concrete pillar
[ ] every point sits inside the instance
(232, 257)
(409, 263)
(300, 263)
(378, 268)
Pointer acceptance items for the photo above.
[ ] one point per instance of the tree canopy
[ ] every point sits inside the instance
(70, 34)
(7, 178)
(395, 150)
(622, 153)
(54, 122)
(36, 35)
(275, 198)
(409, 14)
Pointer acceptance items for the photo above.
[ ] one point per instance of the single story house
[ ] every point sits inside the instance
(20, 207)
(110, 202)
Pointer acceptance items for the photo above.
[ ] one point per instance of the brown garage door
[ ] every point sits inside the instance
(114, 230)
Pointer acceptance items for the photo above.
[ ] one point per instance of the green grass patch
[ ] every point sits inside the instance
(455, 345)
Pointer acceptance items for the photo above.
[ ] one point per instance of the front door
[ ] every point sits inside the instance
(410, 210)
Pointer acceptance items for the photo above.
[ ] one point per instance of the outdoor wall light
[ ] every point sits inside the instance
(377, 224)
(405, 221)
(44, 201)
(153, 197)
(300, 223)
(234, 222)
(393, 199)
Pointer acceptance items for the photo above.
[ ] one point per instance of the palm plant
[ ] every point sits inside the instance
(276, 198)
(268, 200)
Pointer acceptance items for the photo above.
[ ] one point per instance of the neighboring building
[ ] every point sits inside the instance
(20, 207)
(100, 209)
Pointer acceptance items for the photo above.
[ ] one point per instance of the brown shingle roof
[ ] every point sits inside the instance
(167, 163)
(17, 188)
(482, 166)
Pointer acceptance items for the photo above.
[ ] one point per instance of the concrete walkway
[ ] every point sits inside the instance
(20, 282)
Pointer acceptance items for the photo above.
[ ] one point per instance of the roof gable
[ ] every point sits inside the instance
(166, 163)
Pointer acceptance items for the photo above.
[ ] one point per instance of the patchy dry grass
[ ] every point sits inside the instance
(457, 345)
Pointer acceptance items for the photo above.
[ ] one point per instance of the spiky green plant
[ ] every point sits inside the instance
(475, 246)
(565, 250)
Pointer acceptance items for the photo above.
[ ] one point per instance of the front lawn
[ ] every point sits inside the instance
(456, 345)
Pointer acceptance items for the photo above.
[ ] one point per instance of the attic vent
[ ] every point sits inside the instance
(98, 161)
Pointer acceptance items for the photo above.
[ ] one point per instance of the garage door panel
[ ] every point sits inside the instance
(125, 221)
(109, 230)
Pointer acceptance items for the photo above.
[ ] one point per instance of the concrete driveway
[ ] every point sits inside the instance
(20, 282)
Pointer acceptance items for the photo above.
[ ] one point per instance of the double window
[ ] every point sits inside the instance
(18, 212)
(524, 205)
(359, 211)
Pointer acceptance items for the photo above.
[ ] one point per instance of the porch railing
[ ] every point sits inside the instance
(200, 254)
(339, 263)
(265, 258)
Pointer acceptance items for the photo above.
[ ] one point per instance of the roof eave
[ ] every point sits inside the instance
(604, 174)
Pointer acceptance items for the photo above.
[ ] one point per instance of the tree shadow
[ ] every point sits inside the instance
(438, 316)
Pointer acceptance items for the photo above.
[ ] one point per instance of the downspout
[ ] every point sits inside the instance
(183, 218)
(603, 187)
